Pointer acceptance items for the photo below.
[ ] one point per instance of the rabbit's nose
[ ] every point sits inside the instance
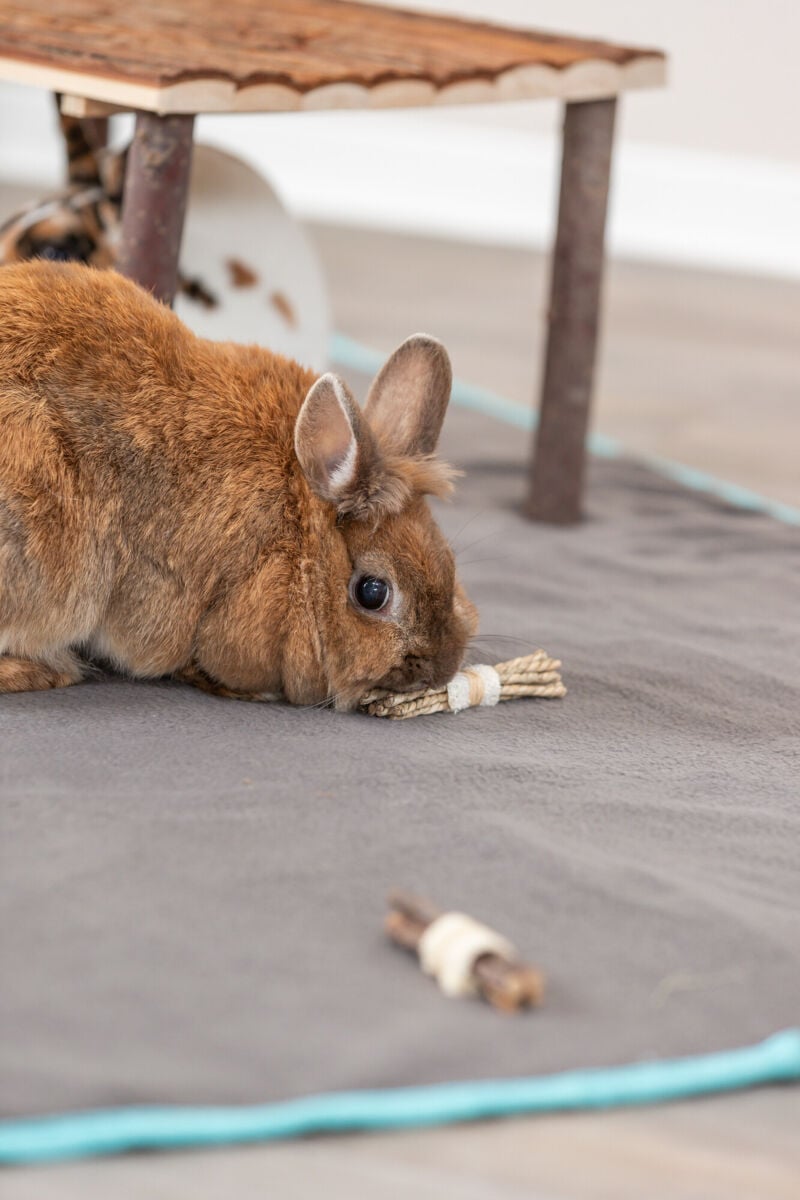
(444, 666)
(418, 670)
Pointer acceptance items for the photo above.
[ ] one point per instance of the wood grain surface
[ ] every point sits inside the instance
(201, 55)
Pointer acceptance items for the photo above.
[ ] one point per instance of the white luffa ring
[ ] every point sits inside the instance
(450, 946)
(473, 687)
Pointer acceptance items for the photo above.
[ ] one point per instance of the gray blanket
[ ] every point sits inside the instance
(193, 888)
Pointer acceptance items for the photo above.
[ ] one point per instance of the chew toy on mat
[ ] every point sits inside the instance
(480, 686)
(465, 957)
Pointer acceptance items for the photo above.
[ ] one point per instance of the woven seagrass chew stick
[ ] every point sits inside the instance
(485, 963)
(479, 686)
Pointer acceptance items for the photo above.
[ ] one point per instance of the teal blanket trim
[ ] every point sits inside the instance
(349, 353)
(79, 1135)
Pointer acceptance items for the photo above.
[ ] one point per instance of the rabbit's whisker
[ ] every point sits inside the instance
(477, 541)
(492, 558)
(328, 702)
(482, 642)
(466, 524)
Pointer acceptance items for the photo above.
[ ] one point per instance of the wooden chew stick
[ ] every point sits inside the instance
(507, 985)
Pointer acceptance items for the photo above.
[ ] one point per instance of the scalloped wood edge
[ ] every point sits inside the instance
(89, 95)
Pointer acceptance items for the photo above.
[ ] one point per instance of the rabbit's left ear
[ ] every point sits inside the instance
(408, 399)
(327, 438)
(344, 464)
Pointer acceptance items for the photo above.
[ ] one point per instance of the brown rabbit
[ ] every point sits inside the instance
(212, 511)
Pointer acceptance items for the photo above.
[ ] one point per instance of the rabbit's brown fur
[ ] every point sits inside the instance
(163, 507)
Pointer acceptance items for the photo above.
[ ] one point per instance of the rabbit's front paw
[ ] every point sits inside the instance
(198, 678)
(37, 675)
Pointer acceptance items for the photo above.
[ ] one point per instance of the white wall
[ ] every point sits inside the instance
(707, 170)
(734, 86)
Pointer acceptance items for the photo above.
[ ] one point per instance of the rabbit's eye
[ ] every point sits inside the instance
(371, 593)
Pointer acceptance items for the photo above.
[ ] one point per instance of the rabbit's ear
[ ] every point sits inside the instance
(407, 401)
(327, 434)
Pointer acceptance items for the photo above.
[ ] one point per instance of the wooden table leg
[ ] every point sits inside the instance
(556, 482)
(156, 184)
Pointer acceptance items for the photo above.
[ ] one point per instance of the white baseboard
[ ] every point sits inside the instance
(421, 173)
(442, 174)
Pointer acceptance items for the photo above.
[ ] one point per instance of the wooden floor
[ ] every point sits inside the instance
(696, 367)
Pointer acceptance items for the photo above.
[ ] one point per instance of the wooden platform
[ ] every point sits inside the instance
(194, 56)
